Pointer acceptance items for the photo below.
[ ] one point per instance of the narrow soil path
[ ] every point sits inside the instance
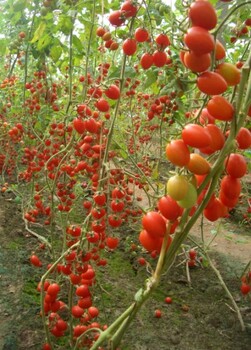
(227, 238)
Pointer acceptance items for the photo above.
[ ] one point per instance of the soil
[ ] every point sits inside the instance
(200, 317)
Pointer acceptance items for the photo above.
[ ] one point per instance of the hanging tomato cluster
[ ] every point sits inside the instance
(246, 284)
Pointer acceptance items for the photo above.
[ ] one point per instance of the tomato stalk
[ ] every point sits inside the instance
(89, 49)
(246, 79)
(33, 233)
(70, 304)
(26, 56)
(110, 133)
(229, 15)
(116, 112)
(84, 334)
(160, 145)
(223, 284)
(117, 329)
(218, 274)
(73, 18)
(39, 237)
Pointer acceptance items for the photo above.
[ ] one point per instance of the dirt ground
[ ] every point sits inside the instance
(200, 317)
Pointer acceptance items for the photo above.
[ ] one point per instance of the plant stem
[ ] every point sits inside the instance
(229, 15)
(120, 326)
(223, 284)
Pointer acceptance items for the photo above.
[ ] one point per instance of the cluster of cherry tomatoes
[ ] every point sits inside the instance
(246, 283)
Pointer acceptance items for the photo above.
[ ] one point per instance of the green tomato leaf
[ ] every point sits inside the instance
(155, 173)
(77, 43)
(152, 77)
(65, 25)
(39, 32)
(55, 52)
(44, 42)
(2, 47)
(138, 295)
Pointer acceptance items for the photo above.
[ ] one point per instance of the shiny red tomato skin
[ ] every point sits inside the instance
(149, 242)
(211, 83)
(199, 40)
(146, 60)
(231, 186)
(243, 138)
(169, 208)
(236, 165)
(141, 35)
(154, 224)
(195, 135)
(203, 14)
(129, 47)
(116, 18)
(159, 58)
(79, 125)
(220, 108)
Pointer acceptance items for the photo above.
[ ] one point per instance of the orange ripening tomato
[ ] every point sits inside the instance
(220, 51)
(178, 153)
(198, 165)
(203, 14)
(211, 83)
(230, 73)
(197, 63)
(195, 135)
(220, 108)
(199, 40)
